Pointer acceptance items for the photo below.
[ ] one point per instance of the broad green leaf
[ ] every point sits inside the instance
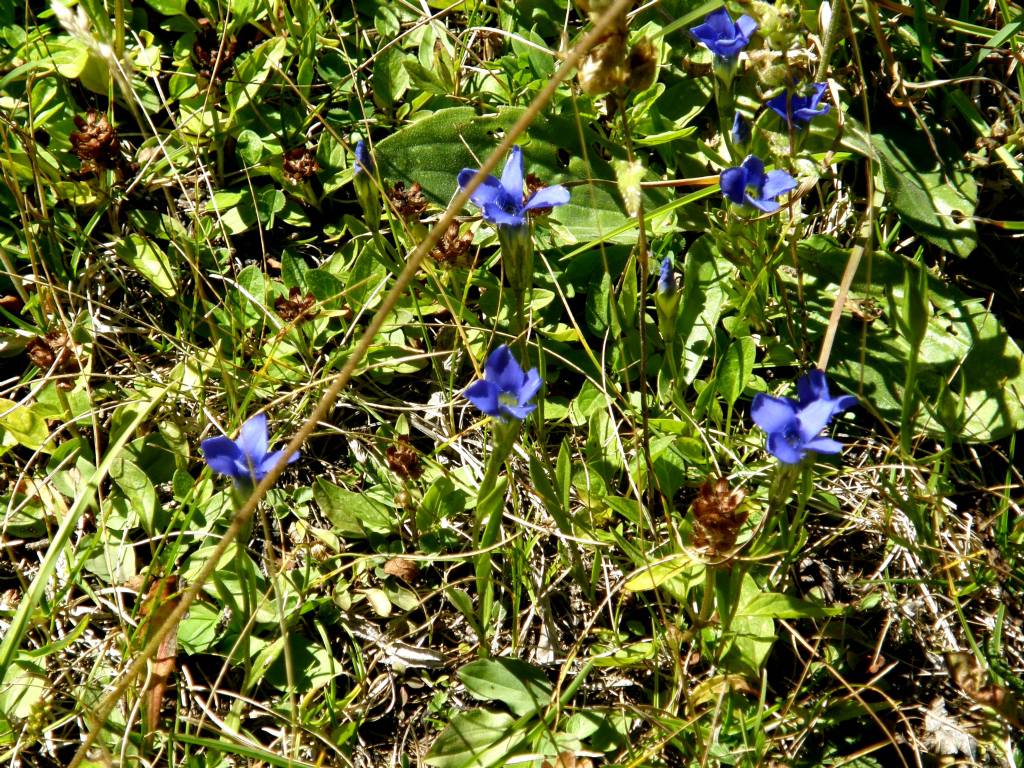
(654, 575)
(781, 606)
(352, 514)
(21, 425)
(138, 488)
(936, 200)
(735, 369)
(520, 686)
(475, 739)
(432, 151)
(200, 629)
(970, 372)
(142, 255)
(704, 295)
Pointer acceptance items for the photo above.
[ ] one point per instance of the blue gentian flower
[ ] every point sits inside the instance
(794, 426)
(723, 37)
(748, 183)
(799, 110)
(502, 201)
(363, 162)
(506, 390)
(246, 459)
(666, 278)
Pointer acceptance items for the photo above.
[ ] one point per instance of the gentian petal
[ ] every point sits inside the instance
(484, 395)
(812, 386)
(746, 26)
(223, 455)
(754, 168)
(762, 204)
(824, 445)
(843, 403)
(783, 450)
(495, 213)
(504, 371)
(270, 461)
(487, 192)
(772, 414)
(777, 183)
(780, 105)
(548, 197)
(518, 411)
(252, 438)
(530, 387)
(813, 418)
(734, 183)
(512, 176)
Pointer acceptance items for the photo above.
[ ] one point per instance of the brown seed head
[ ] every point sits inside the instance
(299, 164)
(54, 352)
(403, 459)
(452, 249)
(408, 203)
(95, 141)
(717, 516)
(296, 308)
(213, 57)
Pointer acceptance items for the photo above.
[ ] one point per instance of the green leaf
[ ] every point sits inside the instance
(475, 739)
(149, 261)
(390, 77)
(432, 151)
(937, 201)
(780, 606)
(735, 369)
(352, 514)
(138, 488)
(965, 348)
(705, 278)
(520, 686)
(21, 425)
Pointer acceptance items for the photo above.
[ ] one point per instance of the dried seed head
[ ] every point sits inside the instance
(717, 516)
(452, 249)
(54, 352)
(568, 760)
(212, 56)
(404, 460)
(95, 141)
(408, 203)
(296, 308)
(300, 164)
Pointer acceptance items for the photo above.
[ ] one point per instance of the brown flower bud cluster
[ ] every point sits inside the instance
(612, 66)
(300, 164)
(96, 144)
(213, 56)
(408, 203)
(403, 459)
(452, 249)
(55, 353)
(717, 516)
(296, 308)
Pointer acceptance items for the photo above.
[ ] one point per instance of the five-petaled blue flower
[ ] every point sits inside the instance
(363, 160)
(505, 390)
(794, 426)
(799, 110)
(502, 201)
(748, 183)
(722, 36)
(245, 459)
